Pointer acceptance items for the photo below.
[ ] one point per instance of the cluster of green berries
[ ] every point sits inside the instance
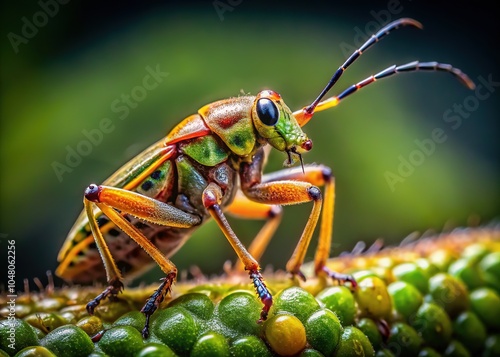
(444, 304)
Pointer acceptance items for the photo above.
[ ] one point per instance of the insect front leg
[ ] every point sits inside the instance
(292, 186)
(113, 274)
(110, 199)
(212, 197)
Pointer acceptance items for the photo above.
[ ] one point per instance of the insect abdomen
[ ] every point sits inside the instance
(180, 181)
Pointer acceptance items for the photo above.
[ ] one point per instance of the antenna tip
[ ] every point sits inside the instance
(411, 22)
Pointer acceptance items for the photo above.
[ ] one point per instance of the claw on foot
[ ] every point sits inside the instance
(383, 328)
(114, 288)
(341, 278)
(155, 300)
(301, 275)
(97, 337)
(263, 293)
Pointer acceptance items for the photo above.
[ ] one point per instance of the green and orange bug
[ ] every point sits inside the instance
(210, 164)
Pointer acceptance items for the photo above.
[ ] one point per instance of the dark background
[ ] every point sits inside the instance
(65, 78)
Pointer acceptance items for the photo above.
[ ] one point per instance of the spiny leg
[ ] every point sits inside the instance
(318, 175)
(113, 275)
(279, 191)
(109, 198)
(212, 196)
(156, 299)
(243, 207)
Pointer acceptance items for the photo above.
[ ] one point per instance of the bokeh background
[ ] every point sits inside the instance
(65, 78)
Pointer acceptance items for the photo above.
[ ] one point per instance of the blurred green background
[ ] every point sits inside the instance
(73, 72)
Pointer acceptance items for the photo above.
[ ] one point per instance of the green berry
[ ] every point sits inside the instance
(485, 302)
(296, 301)
(90, 324)
(491, 264)
(475, 252)
(249, 346)
(48, 304)
(370, 329)
(406, 298)
(490, 268)
(136, 319)
(154, 349)
(468, 272)
(492, 346)
(353, 343)
(456, 349)
(373, 299)
(240, 312)
(427, 267)
(68, 340)
(433, 325)
(177, 328)
(197, 303)
(309, 352)
(441, 258)
(323, 330)
(37, 351)
(340, 300)
(22, 310)
(362, 274)
(113, 310)
(412, 274)
(469, 329)
(285, 334)
(45, 321)
(449, 293)
(210, 344)
(428, 352)
(404, 340)
(15, 335)
(121, 341)
(384, 353)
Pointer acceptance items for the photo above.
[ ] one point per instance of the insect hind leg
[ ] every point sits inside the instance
(115, 286)
(113, 274)
(108, 200)
(155, 300)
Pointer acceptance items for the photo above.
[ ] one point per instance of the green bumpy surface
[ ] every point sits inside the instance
(393, 312)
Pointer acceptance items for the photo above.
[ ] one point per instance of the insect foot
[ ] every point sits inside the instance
(341, 278)
(155, 300)
(264, 295)
(114, 288)
(299, 274)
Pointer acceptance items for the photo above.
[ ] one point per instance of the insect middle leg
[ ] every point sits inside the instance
(212, 197)
(292, 186)
(243, 207)
(110, 199)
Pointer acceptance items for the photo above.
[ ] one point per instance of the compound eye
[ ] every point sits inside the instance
(267, 111)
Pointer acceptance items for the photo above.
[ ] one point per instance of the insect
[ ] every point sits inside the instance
(211, 164)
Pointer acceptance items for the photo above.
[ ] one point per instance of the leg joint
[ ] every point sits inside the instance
(327, 173)
(314, 193)
(92, 192)
(275, 211)
(212, 195)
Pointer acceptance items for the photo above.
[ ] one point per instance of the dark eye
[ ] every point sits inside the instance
(267, 111)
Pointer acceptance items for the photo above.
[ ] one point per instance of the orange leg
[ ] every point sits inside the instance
(108, 199)
(212, 196)
(243, 207)
(292, 186)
